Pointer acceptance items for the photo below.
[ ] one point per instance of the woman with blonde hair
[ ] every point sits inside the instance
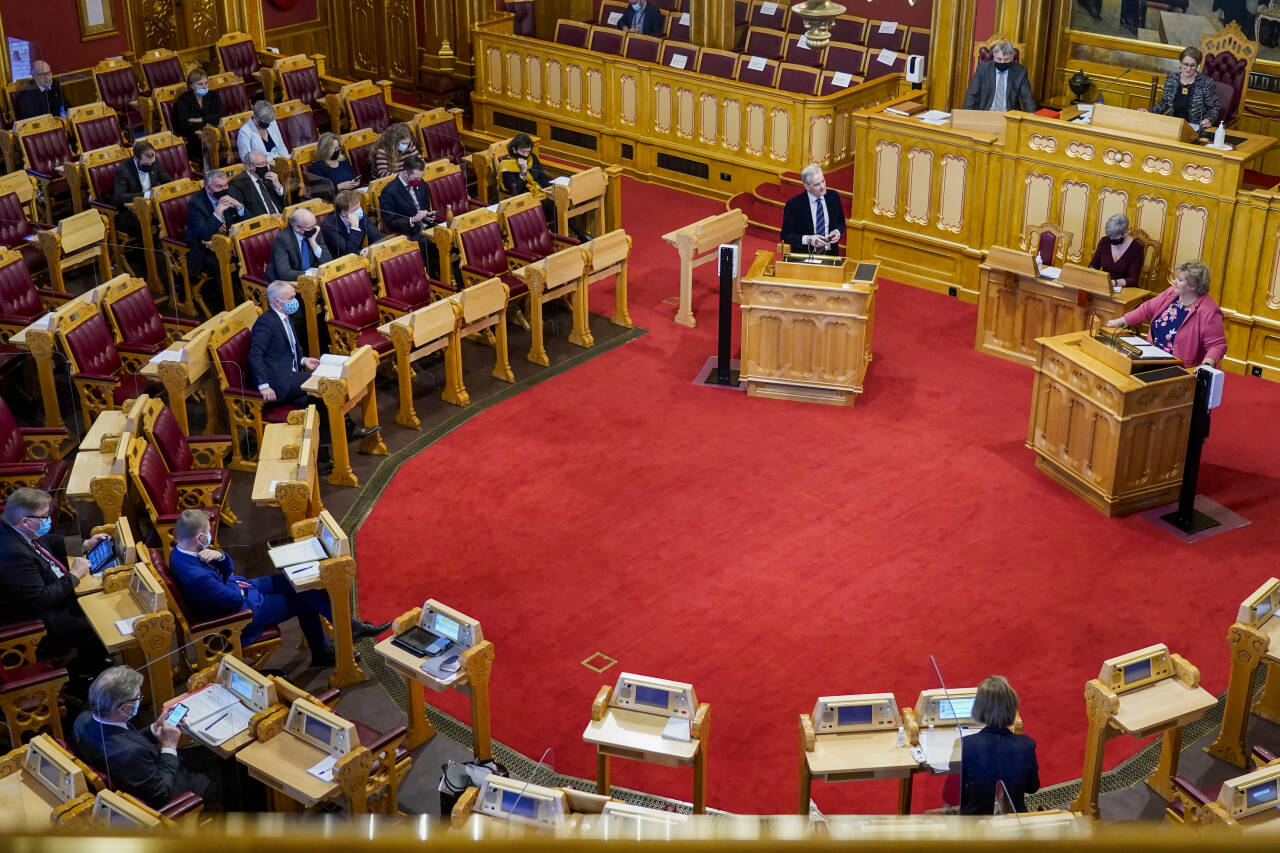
(333, 170)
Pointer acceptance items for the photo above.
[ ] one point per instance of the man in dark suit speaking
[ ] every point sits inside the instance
(1000, 84)
(813, 222)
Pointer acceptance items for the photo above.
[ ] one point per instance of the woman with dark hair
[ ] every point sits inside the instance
(521, 172)
(1188, 94)
(1185, 321)
(996, 754)
(193, 110)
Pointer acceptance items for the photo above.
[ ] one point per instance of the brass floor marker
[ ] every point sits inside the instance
(599, 662)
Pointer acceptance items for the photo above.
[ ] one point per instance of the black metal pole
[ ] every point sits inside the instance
(726, 317)
(1185, 517)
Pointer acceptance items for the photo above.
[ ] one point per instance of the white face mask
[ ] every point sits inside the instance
(402, 146)
(136, 705)
(204, 540)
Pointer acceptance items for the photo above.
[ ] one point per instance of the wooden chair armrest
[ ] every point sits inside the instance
(600, 704)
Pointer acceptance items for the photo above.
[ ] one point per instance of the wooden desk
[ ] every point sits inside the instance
(40, 343)
(147, 648)
(337, 578)
(607, 256)
(286, 476)
(1251, 647)
(99, 472)
(1114, 440)
(1015, 309)
(472, 678)
(340, 395)
(624, 733)
(281, 764)
(806, 329)
(853, 757)
(557, 275)
(28, 805)
(228, 748)
(417, 335)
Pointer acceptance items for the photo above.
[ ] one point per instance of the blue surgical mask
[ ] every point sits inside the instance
(136, 705)
(202, 92)
(402, 146)
(359, 213)
(290, 307)
(637, 6)
(46, 524)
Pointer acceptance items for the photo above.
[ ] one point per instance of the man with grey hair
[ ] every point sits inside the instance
(37, 581)
(1118, 254)
(1000, 84)
(298, 248)
(144, 763)
(813, 221)
(210, 212)
(261, 133)
(258, 188)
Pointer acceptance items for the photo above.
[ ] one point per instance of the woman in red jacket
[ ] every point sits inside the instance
(1185, 321)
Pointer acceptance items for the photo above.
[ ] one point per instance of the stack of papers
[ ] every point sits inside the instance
(295, 553)
(125, 626)
(935, 117)
(323, 769)
(166, 355)
(303, 572)
(215, 714)
(1050, 272)
(677, 728)
(331, 365)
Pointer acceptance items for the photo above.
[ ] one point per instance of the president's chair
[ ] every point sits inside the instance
(1152, 277)
(1228, 61)
(984, 51)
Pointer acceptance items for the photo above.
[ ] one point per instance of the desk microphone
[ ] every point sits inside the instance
(1109, 86)
(534, 773)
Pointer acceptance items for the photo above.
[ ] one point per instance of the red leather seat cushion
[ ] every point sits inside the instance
(235, 98)
(19, 298)
(372, 337)
(370, 112)
(256, 250)
(299, 129)
(99, 132)
(138, 319)
(174, 159)
(171, 441)
(529, 232)
(240, 58)
(303, 84)
(233, 355)
(12, 447)
(174, 213)
(352, 299)
(164, 72)
(484, 250)
(93, 348)
(47, 151)
(405, 279)
(444, 143)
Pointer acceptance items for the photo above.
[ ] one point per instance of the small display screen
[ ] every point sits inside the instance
(955, 709)
(1264, 607)
(852, 715)
(654, 697)
(1261, 795)
(523, 805)
(317, 729)
(240, 685)
(50, 771)
(103, 556)
(119, 820)
(448, 627)
(1137, 671)
(328, 540)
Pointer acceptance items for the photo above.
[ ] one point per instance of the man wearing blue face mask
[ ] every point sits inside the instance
(349, 231)
(144, 763)
(1000, 84)
(38, 581)
(642, 18)
(277, 359)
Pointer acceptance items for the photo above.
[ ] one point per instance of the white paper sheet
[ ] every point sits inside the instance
(207, 703)
(677, 728)
(802, 43)
(302, 551)
(756, 63)
(886, 57)
(768, 8)
(166, 355)
(563, 180)
(934, 117)
(887, 27)
(303, 572)
(125, 626)
(684, 20)
(323, 769)
(842, 79)
(223, 726)
(678, 60)
(1050, 272)
(614, 17)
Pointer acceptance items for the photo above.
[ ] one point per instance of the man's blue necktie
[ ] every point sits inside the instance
(821, 218)
(305, 251)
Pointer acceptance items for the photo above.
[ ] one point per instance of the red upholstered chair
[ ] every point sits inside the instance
(30, 457)
(118, 87)
(229, 348)
(352, 306)
(1228, 60)
(608, 10)
(98, 176)
(401, 279)
(741, 9)
(253, 240)
(1051, 241)
(766, 43)
(678, 26)
(851, 59)
(99, 376)
(642, 48)
(917, 41)
(605, 40)
(572, 33)
(764, 75)
(830, 85)
(15, 226)
(166, 494)
(798, 52)
(440, 137)
(525, 228)
(672, 49)
(798, 79)
(769, 15)
(239, 56)
(232, 91)
(300, 81)
(483, 254)
(140, 332)
(21, 302)
(876, 40)
(95, 126)
(365, 104)
(161, 67)
(161, 109)
(201, 455)
(297, 124)
(170, 204)
(876, 68)
(717, 63)
(46, 149)
(28, 688)
(447, 187)
(849, 29)
(171, 151)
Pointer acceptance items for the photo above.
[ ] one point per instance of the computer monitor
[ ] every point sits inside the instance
(321, 727)
(146, 589)
(950, 706)
(1251, 793)
(1261, 605)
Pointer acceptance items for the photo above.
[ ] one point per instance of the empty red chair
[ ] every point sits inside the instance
(877, 68)
(717, 63)
(572, 33)
(605, 40)
(189, 459)
(239, 56)
(300, 81)
(851, 59)
(766, 43)
(29, 457)
(441, 140)
(848, 29)
(232, 91)
(139, 329)
(161, 67)
(642, 48)
(769, 15)
(528, 236)
(483, 253)
(673, 49)
(446, 187)
(45, 148)
(171, 152)
(166, 494)
(99, 376)
(836, 81)
(798, 79)
(118, 88)
(95, 126)
(678, 26)
(352, 306)
(798, 52)
(917, 42)
(366, 106)
(756, 70)
(877, 40)
(14, 229)
(403, 285)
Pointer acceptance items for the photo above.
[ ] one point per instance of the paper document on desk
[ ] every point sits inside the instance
(304, 572)
(677, 728)
(223, 726)
(208, 702)
(302, 551)
(323, 769)
(935, 117)
(1050, 272)
(328, 371)
(563, 180)
(166, 355)
(1146, 350)
(125, 626)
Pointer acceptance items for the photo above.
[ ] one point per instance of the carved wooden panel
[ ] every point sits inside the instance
(732, 138)
(662, 108)
(885, 195)
(628, 104)
(708, 115)
(555, 86)
(1075, 205)
(840, 134)
(595, 93)
(1035, 201)
(1151, 215)
(402, 43)
(202, 22)
(755, 128)
(819, 139)
(573, 87)
(515, 85)
(533, 79)
(1273, 288)
(363, 38)
(1188, 240)
(159, 25)
(919, 185)
(780, 139)
(684, 113)
(951, 195)
(493, 58)
(1110, 202)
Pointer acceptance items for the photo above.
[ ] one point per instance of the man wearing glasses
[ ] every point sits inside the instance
(44, 98)
(37, 581)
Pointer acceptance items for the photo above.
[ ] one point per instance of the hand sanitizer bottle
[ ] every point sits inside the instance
(1220, 135)
(1039, 263)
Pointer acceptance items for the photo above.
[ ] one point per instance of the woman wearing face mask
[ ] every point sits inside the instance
(393, 146)
(349, 231)
(1118, 254)
(1185, 321)
(194, 109)
(333, 171)
(261, 133)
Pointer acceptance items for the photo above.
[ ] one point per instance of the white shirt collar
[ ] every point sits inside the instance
(115, 723)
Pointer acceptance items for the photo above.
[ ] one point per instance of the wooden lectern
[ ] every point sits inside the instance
(806, 328)
(1110, 428)
(1016, 306)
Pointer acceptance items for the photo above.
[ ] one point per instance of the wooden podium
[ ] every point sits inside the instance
(1111, 429)
(806, 328)
(1015, 306)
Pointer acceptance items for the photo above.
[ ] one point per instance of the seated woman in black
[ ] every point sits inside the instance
(195, 109)
(1118, 254)
(996, 754)
(522, 172)
(331, 170)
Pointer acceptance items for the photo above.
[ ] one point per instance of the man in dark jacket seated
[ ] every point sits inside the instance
(136, 177)
(348, 231)
(37, 581)
(406, 209)
(211, 588)
(146, 763)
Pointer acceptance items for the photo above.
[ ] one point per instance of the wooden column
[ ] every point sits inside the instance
(711, 24)
(437, 51)
(949, 49)
(242, 16)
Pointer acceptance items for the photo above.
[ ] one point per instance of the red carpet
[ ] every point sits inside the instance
(771, 552)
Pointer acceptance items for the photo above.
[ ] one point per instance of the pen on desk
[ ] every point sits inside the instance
(215, 722)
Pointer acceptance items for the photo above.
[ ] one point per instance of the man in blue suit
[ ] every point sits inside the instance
(210, 212)
(211, 588)
(642, 18)
(406, 209)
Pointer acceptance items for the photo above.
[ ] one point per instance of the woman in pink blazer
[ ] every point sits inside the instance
(1185, 321)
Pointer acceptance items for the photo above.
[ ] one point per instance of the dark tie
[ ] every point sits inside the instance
(266, 197)
(305, 251)
(820, 217)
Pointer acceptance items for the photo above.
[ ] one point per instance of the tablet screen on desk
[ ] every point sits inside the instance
(852, 715)
(317, 729)
(652, 696)
(955, 709)
(240, 685)
(523, 805)
(103, 556)
(447, 627)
